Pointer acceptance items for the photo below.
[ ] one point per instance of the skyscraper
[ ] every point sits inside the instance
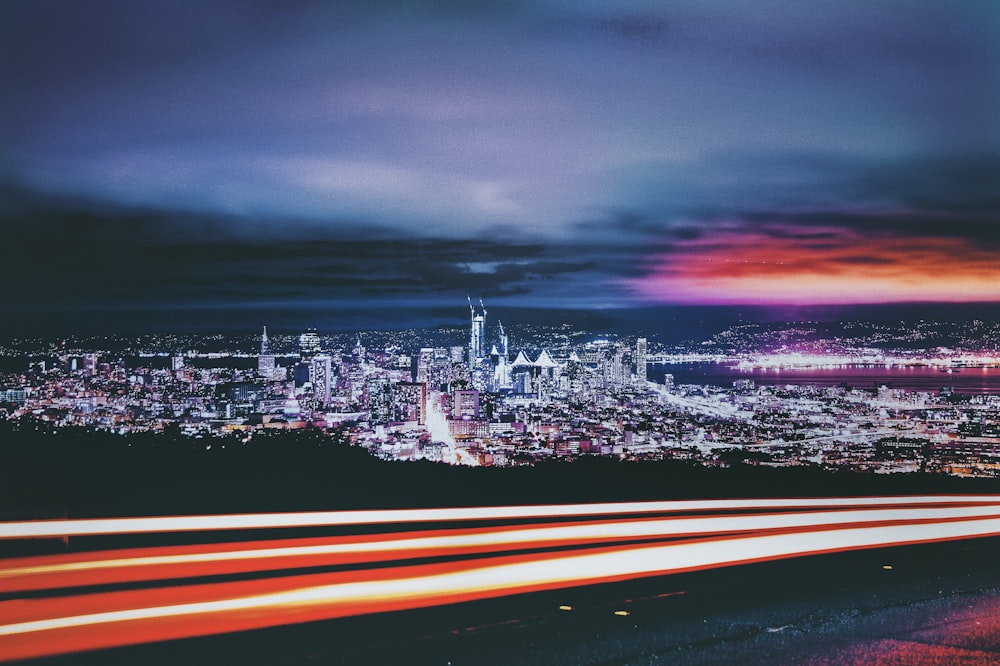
(90, 364)
(265, 344)
(501, 369)
(309, 345)
(477, 338)
(320, 373)
(410, 401)
(504, 349)
(640, 360)
(265, 362)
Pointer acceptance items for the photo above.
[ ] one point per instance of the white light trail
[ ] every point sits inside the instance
(19, 574)
(82, 527)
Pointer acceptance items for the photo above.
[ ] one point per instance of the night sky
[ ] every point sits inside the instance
(198, 158)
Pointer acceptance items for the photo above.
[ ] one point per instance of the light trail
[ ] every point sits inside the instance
(481, 563)
(61, 528)
(34, 630)
(213, 559)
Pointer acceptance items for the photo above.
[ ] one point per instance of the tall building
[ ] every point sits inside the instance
(504, 349)
(465, 404)
(501, 360)
(309, 345)
(614, 368)
(321, 376)
(379, 398)
(640, 360)
(359, 352)
(90, 364)
(410, 401)
(477, 338)
(265, 362)
(265, 344)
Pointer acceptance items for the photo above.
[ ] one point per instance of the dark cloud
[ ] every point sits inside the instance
(815, 196)
(965, 184)
(107, 256)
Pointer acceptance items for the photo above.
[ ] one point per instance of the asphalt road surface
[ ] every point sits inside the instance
(925, 604)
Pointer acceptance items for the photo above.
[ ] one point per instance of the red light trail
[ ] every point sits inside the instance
(65, 613)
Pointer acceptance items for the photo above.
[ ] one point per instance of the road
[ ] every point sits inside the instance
(209, 578)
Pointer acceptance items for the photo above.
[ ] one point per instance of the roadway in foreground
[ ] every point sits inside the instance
(579, 592)
(938, 604)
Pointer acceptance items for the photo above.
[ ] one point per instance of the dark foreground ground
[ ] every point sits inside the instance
(928, 604)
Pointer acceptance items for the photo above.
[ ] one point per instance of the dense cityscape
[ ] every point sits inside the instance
(471, 396)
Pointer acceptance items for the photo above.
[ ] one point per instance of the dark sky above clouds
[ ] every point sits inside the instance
(337, 154)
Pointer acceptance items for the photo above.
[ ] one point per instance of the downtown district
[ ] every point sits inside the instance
(484, 403)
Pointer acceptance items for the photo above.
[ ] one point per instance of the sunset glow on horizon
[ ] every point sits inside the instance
(830, 268)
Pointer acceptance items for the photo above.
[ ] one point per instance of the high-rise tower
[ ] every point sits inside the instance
(504, 350)
(309, 345)
(265, 344)
(477, 338)
(501, 369)
(640, 360)
(265, 362)
(321, 376)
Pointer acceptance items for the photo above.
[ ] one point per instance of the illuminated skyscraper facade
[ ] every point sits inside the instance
(265, 362)
(640, 360)
(465, 404)
(321, 376)
(477, 338)
(309, 345)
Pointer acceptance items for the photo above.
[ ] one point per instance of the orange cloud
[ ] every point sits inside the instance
(843, 268)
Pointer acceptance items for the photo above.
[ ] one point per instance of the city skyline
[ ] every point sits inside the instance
(197, 164)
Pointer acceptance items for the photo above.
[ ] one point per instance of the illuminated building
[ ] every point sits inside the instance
(378, 397)
(359, 351)
(477, 338)
(466, 404)
(501, 360)
(309, 345)
(640, 360)
(291, 405)
(321, 376)
(425, 364)
(265, 362)
(410, 401)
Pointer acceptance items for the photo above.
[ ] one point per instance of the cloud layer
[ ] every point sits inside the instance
(535, 153)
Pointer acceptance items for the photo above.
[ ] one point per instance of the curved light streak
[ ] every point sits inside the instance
(479, 562)
(201, 610)
(215, 559)
(84, 527)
